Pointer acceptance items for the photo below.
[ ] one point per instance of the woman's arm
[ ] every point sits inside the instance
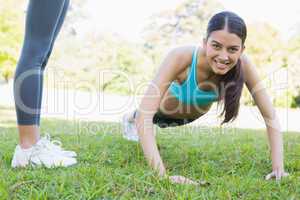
(175, 62)
(263, 102)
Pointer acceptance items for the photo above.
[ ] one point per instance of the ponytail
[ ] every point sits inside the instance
(231, 90)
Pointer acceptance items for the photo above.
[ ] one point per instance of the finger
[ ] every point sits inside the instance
(184, 180)
(177, 179)
(193, 182)
(269, 176)
(172, 178)
(174, 181)
(181, 179)
(203, 183)
(277, 175)
(187, 181)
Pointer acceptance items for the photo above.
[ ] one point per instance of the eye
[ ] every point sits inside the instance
(232, 50)
(216, 46)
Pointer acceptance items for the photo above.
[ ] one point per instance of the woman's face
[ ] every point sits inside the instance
(223, 49)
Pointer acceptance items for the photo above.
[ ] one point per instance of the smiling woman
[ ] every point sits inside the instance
(191, 79)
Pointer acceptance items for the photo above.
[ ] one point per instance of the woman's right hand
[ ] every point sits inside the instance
(182, 180)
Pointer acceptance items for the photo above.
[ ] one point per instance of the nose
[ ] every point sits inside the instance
(223, 56)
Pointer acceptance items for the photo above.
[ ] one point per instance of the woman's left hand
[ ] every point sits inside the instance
(182, 180)
(277, 174)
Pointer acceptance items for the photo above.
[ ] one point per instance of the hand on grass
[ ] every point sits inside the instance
(277, 174)
(182, 180)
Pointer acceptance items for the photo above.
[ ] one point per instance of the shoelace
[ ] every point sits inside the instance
(56, 143)
(37, 149)
(48, 144)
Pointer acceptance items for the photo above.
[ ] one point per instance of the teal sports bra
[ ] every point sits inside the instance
(188, 92)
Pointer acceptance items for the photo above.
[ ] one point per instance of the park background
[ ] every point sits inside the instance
(105, 54)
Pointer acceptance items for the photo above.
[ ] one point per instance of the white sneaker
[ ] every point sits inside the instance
(40, 154)
(56, 146)
(129, 129)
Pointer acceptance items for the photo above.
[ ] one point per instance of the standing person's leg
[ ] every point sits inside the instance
(43, 21)
(56, 32)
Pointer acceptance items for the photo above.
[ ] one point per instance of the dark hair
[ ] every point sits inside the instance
(231, 84)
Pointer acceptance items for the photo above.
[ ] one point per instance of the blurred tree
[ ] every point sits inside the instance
(83, 55)
(185, 24)
(293, 60)
(103, 59)
(10, 36)
(296, 98)
(265, 46)
(266, 49)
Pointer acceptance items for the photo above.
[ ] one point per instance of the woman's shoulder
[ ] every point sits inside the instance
(249, 69)
(246, 63)
(245, 60)
(184, 54)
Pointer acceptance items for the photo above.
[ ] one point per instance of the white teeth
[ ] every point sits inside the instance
(221, 65)
(224, 63)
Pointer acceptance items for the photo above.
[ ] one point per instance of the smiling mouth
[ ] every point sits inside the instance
(221, 65)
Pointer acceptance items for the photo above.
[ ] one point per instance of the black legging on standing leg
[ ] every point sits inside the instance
(43, 23)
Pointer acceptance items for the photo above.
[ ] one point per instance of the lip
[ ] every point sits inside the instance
(220, 65)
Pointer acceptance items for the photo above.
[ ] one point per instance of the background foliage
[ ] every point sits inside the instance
(83, 57)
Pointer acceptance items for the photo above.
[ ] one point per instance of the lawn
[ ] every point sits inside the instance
(233, 162)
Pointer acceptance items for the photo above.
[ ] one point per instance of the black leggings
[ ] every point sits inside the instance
(164, 121)
(43, 22)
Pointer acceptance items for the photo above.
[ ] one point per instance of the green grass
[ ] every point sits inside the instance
(234, 163)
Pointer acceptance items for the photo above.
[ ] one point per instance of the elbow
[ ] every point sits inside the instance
(273, 122)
